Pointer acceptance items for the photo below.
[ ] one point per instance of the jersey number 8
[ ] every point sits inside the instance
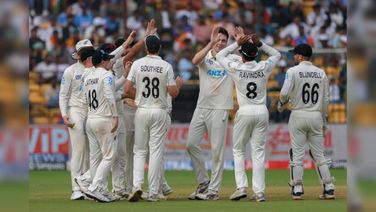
(251, 88)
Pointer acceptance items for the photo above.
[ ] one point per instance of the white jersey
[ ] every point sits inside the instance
(70, 93)
(151, 75)
(99, 89)
(215, 85)
(250, 77)
(307, 88)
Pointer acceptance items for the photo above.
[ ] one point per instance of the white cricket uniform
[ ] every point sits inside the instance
(151, 75)
(71, 105)
(99, 89)
(211, 114)
(127, 115)
(306, 86)
(118, 167)
(252, 118)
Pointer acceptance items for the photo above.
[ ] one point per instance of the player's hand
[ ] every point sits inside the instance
(127, 68)
(115, 123)
(130, 102)
(67, 122)
(243, 39)
(150, 28)
(324, 128)
(256, 40)
(179, 82)
(129, 40)
(238, 33)
(214, 38)
(280, 106)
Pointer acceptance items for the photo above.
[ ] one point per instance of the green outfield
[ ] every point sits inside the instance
(50, 191)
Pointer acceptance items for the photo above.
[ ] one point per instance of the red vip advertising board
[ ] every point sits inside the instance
(48, 147)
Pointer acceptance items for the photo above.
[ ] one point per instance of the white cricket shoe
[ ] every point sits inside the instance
(240, 193)
(77, 195)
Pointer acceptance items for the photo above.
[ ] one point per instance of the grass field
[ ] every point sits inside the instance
(50, 191)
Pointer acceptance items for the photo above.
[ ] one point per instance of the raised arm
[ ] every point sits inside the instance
(199, 56)
(274, 55)
(136, 49)
(119, 51)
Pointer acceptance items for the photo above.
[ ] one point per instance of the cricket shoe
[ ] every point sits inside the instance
(98, 195)
(111, 196)
(83, 185)
(207, 196)
(121, 194)
(329, 194)
(240, 193)
(166, 190)
(259, 197)
(201, 188)
(135, 196)
(297, 192)
(77, 195)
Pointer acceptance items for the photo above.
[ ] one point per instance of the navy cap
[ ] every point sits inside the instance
(302, 49)
(108, 47)
(249, 50)
(99, 56)
(153, 43)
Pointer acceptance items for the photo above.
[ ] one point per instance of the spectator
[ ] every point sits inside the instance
(47, 69)
(34, 40)
(112, 25)
(185, 66)
(190, 13)
(317, 17)
(202, 30)
(293, 28)
(52, 95)
(334, 95)
(134, 22)
(302, 38)
(281, 74)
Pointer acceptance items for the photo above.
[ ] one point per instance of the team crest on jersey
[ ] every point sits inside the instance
(78, 76)
(110, 80)
(209, 61)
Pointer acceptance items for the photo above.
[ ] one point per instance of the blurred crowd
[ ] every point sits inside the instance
(184, 27)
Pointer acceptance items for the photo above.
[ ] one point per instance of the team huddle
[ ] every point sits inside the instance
(118, 113)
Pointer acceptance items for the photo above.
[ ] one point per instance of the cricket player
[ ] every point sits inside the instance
(74, 115)
(211, 114)
(102, 123)
(126, 116)
(306, 87)
(252, 118)
(153, 79)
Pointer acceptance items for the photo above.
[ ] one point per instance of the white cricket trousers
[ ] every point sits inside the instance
(150, 130)
(129, 114)
(215, 123)
(79, 144)
(307, 127)
(251, 128)
(102, 150)
(118, 167)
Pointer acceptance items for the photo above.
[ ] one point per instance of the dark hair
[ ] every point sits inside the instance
(153, 44)
(223, 31)
(96, 59)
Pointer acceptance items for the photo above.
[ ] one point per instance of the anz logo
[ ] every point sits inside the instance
(216, 73)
